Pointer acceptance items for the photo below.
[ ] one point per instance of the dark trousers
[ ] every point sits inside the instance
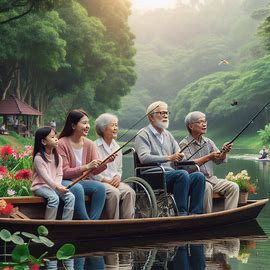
(182, 185)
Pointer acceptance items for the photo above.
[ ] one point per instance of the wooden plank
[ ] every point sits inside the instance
(19, 215)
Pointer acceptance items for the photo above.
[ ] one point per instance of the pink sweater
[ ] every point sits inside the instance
(70, 170)
(46, 174)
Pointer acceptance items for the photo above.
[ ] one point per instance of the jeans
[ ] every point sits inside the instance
(189, 257)
(52, 197)
(95, 190)
(182, 185)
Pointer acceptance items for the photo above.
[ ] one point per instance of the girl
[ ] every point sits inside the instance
(47, 175)
(79, 155)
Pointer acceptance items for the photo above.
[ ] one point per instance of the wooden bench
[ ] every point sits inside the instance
(25, 204)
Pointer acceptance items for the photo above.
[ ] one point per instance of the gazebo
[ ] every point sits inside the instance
(12, 108)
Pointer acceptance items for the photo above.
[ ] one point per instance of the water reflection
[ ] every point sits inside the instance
(173, 253)
(210, 254)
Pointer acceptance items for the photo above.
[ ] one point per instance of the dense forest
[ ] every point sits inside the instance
(62, 54)
(179, 60)
(200, 55)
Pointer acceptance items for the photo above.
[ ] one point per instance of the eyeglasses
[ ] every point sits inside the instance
(163, 113)
(201, 122)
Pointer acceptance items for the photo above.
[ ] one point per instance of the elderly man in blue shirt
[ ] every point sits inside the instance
(157, 145)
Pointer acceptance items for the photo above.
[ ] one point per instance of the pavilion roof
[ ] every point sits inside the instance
(14, 106)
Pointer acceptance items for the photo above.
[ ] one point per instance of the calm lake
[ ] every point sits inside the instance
(243, 247)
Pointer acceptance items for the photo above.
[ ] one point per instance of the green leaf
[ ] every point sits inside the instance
(65, 252)
(29, 235)
(16, 239)
(42, 230)
(20, 253)
(46, 241)
(5, 235)
(35, 260)
(36, 240)
(21, 267)
(43, 255)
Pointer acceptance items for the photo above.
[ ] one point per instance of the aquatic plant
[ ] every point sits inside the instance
(21, 258)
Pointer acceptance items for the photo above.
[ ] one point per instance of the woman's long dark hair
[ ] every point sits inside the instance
(73, 117)
(40, 135)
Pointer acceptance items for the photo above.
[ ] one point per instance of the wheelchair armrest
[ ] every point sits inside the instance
(187, 165)
(157, 168)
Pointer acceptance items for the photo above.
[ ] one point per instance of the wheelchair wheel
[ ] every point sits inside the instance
(166, 205)
(146, 204)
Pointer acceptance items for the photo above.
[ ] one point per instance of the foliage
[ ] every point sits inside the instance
(15, 171)
(243, 180)
(265, 134)
(21, 256)
(67, 51)
(179, 51)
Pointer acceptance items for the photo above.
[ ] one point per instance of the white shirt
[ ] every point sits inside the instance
(113, 168)
(78, 156)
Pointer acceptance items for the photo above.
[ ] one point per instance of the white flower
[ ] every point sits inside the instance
(11, 192)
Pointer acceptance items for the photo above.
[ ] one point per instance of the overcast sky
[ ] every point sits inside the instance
(151, 4)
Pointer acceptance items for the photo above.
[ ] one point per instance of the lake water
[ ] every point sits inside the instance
(242, 247)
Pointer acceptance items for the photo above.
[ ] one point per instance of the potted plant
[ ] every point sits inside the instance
(245, 185)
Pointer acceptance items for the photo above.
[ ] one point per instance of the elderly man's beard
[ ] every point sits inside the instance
(162, 124)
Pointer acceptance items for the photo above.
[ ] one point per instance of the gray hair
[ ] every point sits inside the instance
(152, 106)
(103, 121)
(192, 117)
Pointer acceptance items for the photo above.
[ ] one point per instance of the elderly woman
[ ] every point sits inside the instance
(120, 198)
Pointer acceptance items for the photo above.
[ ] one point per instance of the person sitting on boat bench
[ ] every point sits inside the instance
(157, 145)
(120, 197)
(206, 157)
(263, 153)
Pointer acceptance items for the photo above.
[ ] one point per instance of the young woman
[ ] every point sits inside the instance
(120, 197)
(47, 175)
(79, 155)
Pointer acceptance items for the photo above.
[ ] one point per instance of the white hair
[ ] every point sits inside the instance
(153, 105)
(192, 117)
(103, 121)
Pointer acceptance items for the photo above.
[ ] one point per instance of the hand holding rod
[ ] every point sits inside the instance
(103, 161)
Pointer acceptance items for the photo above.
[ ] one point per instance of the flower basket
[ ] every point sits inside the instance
(242, 179)
(243, 197)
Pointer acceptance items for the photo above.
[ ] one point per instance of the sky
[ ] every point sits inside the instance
(151, 4)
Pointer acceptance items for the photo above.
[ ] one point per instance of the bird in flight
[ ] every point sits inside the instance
(234, 102)
(223, 62)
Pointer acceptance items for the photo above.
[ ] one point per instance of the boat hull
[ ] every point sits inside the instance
(80, 230)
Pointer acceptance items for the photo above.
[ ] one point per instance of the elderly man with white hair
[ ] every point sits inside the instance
(120, 197)
(206, 157)
(156, 145)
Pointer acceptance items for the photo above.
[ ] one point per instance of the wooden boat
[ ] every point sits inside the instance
(78, 230)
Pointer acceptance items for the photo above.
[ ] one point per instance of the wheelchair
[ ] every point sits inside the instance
(149, 183)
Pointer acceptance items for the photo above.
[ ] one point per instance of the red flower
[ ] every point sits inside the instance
(23, 174)
(7, 210)
(34, 267)
(251, 189)
(6, 150)
(3, 170)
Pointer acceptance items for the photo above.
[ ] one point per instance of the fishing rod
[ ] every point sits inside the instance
(103, 161)
(249, 123)
(204, 144)
(186, 146)
(136, 123)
